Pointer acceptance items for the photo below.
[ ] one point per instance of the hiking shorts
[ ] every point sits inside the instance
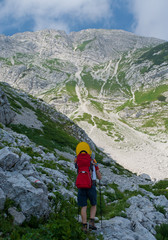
(87, 193)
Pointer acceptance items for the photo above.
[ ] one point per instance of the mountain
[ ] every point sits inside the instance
(111, 83)
(37, 180)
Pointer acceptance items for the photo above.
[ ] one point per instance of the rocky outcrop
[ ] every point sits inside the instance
(120, 228)
(142, 217)
(15, 184)
(6, 114)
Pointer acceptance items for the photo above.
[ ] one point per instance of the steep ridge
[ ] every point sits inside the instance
(110, 82)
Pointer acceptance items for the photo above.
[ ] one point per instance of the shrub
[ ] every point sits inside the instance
(162, 232)
(160, 209)
(62, 224)
(158, 189)
(161, 98)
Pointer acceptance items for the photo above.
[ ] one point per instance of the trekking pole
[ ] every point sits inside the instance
(78, 213)
(100, 203)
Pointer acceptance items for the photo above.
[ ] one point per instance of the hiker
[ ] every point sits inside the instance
(88, 170)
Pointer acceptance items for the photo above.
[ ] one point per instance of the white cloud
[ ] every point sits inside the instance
(53, 13)
(151, 18)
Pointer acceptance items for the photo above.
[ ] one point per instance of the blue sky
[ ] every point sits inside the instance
(142, 17)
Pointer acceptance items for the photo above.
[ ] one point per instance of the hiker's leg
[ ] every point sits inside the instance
(84, 214)
(82, 202)
(93, 211)
(93, 201)
(92, 195)
(92, 218)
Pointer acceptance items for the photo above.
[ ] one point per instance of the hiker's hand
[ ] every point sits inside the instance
(98, 174)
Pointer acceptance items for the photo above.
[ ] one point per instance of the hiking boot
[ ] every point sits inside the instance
(92, 224)
(84, 227)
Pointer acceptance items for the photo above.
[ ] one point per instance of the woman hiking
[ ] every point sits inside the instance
(88, 171)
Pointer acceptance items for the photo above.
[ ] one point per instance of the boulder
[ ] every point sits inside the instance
(145, 176)
(123, 229)
(32, 200)
(31, 196)
(8, 159)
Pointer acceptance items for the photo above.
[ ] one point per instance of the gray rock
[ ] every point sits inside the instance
(161, 201)
(33, 201)
(143, 212)
(2, 199)
(66, 193)
(19, 217)
(8, 159)
(145, 176)
(121, 229)
(6, 114)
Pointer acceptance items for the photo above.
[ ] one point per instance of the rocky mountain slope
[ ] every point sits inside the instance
(111, 83)
(37, 178)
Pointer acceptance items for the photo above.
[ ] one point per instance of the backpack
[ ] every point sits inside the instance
(83, 179)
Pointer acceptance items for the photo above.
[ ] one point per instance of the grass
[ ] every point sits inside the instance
(53, 62)
(150, 95)
(111, 86)
(98, 67)
(144, 70)
(97, 105)
(51, 136)
(162, 232)
(14, 101)
(158, 189)
(150, 123)
(6, 61)
(144, 98)
(61, 224)
(82, 46)
(70, 88)
(166, 123)
(116, 202)
(104, 125)
(85, 117)
(91, 83)
(156, 55)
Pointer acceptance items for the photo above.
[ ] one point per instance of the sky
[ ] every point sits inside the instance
(143, 17)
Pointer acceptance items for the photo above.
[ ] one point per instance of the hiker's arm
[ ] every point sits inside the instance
(98, 174)
(75, 161)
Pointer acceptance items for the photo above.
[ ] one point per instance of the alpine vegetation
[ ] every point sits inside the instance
(38, 196)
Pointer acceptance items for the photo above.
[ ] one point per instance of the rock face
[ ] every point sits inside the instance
(6, 114)
(31, 198)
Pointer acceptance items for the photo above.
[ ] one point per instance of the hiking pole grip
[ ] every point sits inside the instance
(100, 202)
